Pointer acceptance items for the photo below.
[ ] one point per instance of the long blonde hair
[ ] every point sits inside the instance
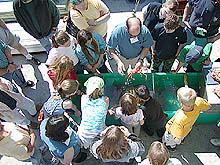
(61, 67)
(114, 144)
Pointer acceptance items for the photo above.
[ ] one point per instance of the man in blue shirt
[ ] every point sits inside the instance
(204, 20)
(129, 44)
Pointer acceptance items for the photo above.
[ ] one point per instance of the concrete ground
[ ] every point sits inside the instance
(196, 149)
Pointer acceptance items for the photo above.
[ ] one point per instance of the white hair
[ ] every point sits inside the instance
(186, 96)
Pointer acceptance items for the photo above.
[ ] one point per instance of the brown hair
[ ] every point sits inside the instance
(68, 87)
(171, 22)
(82, 37)
(171, 4)
(61, 67)
(143, 93)
(158, 154)
(128, 103)
(60, 38)
(97, 93)
(114, 144)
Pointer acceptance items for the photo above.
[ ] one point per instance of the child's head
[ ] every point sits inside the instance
(186, 97)
(61, 67)
(94, 87)
(68, 88)
(158, 154)
(171, 23)
(56, 126)
(114, 144)
(143, 93)
(60, 39)
(85, 37)
(128, 103)
(171, 5)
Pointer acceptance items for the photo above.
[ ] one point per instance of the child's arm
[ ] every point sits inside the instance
(142, 122)
(141, 117)
(107, 101)
(68, 105)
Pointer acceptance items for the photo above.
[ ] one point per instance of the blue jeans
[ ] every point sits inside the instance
(45, 42)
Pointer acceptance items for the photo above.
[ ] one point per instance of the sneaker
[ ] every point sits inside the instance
(29, 83)
(215, 142)
(35, 61)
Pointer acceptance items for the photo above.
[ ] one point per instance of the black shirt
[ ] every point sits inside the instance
(153, 114)
(167, 43)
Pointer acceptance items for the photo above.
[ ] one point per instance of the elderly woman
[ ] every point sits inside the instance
(61, 139)
(117, 145)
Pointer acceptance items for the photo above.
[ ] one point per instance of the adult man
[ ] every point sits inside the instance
(91, 15)
(129, 44)
(39, 18)
(12, 103)
(155, 12)
(13, 40)
(204, 20)
(8, 68)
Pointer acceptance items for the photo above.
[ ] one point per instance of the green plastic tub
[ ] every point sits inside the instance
(162, 86)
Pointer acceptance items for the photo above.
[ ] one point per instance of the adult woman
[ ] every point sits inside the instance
(91, 15)
(117, 145)
(90, 51)
(61, 139)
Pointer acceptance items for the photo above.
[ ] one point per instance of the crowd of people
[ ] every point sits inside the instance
(159, 34)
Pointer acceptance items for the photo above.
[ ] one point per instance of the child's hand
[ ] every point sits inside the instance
(111, 112)
(78, 113)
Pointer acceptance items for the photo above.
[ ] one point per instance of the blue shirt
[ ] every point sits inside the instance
(3, 58)
(58, 148)
(93, 114)
(120, 40)
(101, 45)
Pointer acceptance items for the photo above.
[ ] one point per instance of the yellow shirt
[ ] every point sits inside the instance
(14, 145)
(93, 12)
(181, 123)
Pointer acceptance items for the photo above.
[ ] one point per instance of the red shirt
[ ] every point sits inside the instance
(72, 75)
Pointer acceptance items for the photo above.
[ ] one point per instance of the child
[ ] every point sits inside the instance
(131, 116)
(195, 56)
(154, 118)
(94, 108)
(90, 51)
(169, 39)
(158, 154)
(61, 69)
(61, 102)
(64, 45)
(180, 125)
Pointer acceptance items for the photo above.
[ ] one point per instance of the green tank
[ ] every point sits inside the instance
(162, 86)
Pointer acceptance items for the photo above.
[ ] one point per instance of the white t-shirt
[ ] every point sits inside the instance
(131, 119)
(56, 53)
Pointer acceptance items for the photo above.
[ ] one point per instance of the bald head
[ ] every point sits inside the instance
(134, 26)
